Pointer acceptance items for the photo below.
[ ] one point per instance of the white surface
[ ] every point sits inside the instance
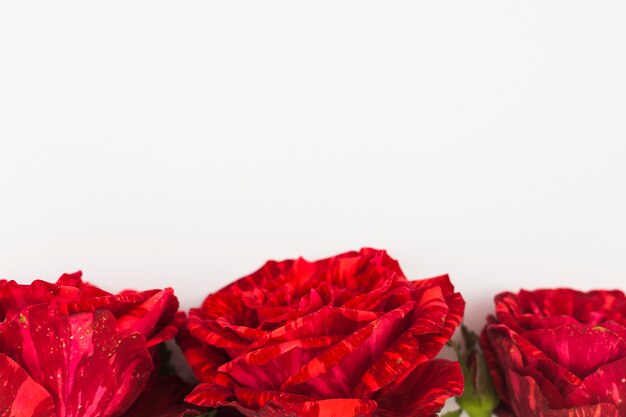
(155, 143)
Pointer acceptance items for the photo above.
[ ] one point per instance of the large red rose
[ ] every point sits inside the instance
(558, 353)
(73, 350)
(341, 337)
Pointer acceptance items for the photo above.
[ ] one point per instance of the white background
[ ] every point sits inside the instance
(154, 143)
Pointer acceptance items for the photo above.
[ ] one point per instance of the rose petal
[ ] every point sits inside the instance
(169, 331)
(153, 313)
(85, 290)
(326, 321)
(346, 362)
(280, 404)
(416, 345)
(579, 348)
(269, 367)
(336, 407)
(210, 395)
(15, 297)
(212, 334)
(20, 395)
(491, 359)
(442, 281)
(204, 359)
(590, 308)
(432, 343)
(423, 392)
(607, 384)
(117, 304)
(81, 360)
(527, 400)
(516, 354)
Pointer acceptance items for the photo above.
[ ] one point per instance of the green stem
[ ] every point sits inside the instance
(479, 413)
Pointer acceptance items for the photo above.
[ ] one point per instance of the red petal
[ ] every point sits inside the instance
(528, 309)
(607, 384)
(326, 321)
(442, 281)
(437, 319)
(269, 367)
(210, 395)
(391, 292)
(518, 355)
(15, 297)
(255, 400)
(212, 334)
(348, 360)
(432, 343)
(155, 312)
(423, 392)
(253, 403)
(579, 348)
(491, 359)
(118, 304)
(85, 289)
(337, 407)
(168, 332)
(204, 359)
(397, 360)
(529, 401)
(20, 396)
(81, 360)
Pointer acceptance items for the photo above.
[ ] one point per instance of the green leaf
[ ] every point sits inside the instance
(479, 398)
(456, 413)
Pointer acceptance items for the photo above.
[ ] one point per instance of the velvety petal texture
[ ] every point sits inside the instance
(558, 353)
(71, 349)
(345, 336)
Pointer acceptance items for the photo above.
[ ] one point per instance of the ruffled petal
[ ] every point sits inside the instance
(253, 403)
(326, 321)
(528, 356)
(338, 370)
(607, 384)
(336, 407)
(85, 290)
(438, 316)
(169, 331)
(269, 367)
(423, 392)
(149, 316)
(431, 343)
(528, 400)
(579, 348)
(210, 395)
(204, 359)
(15, 297)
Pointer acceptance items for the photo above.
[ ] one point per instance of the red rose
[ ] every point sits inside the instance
(73, 350)
(342, 337)
(559, 353)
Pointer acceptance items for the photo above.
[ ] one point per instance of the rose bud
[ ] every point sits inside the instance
(558, 353)
(345, 336)
(72, 349)
(479, 397)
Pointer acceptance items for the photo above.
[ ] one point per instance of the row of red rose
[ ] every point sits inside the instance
(345, 336)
